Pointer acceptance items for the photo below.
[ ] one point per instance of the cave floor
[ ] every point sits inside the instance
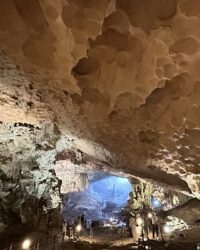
(111, 240)
(153, 245)
(118, 238)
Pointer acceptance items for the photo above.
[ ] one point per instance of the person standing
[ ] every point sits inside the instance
(161, 223)
(64, 230)
(145, 226)
(149, 223)
(83, 220)
(71, 229)
(88, 225)
(92, 228)
(155, 225)
(75, 229)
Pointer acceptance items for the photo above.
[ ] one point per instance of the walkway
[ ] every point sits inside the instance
(54, 241)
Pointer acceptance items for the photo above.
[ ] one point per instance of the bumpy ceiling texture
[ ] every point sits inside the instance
(120, 78)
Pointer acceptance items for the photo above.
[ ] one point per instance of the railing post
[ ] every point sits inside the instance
(38, 245)
(45, 243)
(54, 242)
(11, 246)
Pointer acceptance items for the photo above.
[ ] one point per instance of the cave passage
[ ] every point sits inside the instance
(103, 197)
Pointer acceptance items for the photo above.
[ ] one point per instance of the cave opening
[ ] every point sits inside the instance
(107, 203)
(102, 199)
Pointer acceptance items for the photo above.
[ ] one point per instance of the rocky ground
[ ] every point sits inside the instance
(109, 239)
(151, 245)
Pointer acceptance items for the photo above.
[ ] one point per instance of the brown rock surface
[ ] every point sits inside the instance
(119, 78)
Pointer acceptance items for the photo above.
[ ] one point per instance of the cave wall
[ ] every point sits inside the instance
(117, 80)
(101, 64)
(31, 150)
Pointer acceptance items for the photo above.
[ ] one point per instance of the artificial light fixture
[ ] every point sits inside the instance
(167, 229)
(156, 203)
(26, 244)
(78, 228)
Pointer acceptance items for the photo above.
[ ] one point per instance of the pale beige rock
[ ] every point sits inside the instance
(119, 78)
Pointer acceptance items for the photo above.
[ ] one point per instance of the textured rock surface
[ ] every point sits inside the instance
(189, 212)
(118, 80)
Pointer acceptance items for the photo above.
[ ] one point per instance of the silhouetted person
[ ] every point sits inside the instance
(145, 226)
(71, 229)
(76, 232)
(83, 220)
(161, 223)
(149, 223)
(74, 229)
(155, 225)
(92, 228)
(64, 230)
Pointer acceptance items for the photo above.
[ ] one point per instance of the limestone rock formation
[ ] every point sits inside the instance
(189, 212)
(117, 80)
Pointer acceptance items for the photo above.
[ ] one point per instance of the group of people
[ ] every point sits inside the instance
(145, 225)
(69, 229)
(73, 227)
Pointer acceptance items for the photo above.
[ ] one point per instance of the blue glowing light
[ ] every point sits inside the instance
(155, 202)
(104, 195)
(111, 188)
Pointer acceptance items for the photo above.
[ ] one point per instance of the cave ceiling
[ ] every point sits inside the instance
(117, 80)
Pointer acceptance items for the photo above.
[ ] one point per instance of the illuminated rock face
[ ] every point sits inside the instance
(120, 79)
